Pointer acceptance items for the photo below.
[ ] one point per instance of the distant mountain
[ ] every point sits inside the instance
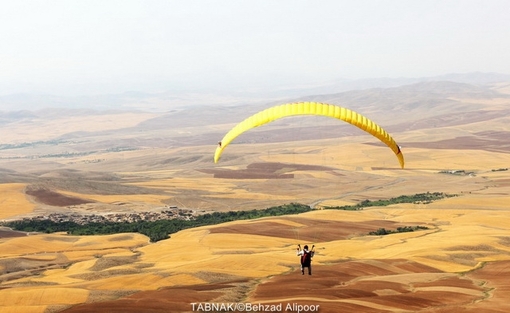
(474, 78)
(391, 106)
(412, 101)
(168, 101)
(41, 101)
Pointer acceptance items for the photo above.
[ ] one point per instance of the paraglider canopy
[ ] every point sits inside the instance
(309, 108)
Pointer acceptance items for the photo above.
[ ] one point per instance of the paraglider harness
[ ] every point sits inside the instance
(306, 257)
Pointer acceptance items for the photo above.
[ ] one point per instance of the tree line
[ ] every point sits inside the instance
(425, 198)
(161, 229)
(155, 230)
(403, 229)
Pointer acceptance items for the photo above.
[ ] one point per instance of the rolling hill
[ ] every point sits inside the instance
(454, 136)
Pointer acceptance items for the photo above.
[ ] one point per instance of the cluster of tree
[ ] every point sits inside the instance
(64, 154)
(75, 154)
(120, 149)
(500, 169)
(6, 146)
(427, 197)
(155, 230)
(405, 229)
(457, 172)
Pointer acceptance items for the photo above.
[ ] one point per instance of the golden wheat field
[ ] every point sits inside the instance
(465, 235)
(14, 201)
(457, 262)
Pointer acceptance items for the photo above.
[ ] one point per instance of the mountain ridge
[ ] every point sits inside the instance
(160, 102)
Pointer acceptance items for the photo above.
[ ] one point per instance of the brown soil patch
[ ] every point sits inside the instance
(310, 231)
(107, 262)
(504, 241)
(269, 170)
(49, 197)
(15, 268)
(496, 141)
(4, 233)
(370, 286)
(363, 286)
(494, 279)
(104, 274)
(449, 120)
(175, 299)
(502, 182)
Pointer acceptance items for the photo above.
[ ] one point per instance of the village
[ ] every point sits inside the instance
(83, 219)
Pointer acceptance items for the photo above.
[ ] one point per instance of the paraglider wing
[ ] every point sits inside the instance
(310, 108)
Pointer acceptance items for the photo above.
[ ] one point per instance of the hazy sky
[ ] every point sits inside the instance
(73, 47)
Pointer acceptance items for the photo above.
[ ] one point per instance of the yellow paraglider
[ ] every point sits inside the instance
(309, 108)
